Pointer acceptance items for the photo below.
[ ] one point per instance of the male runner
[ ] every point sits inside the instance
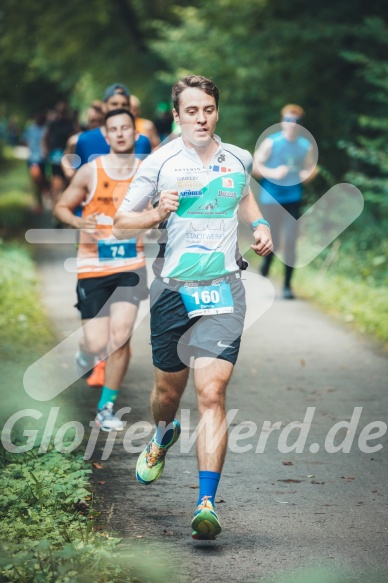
(200, 185)
(95, 118)
(90, 145)
(111, 273)
(32, 137)
(284, 160)
(93, 143)
(54, 143)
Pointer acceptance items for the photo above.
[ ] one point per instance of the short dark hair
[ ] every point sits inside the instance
(197, 81)
(119, 111)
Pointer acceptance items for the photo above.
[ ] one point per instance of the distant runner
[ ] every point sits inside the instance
(284, 160)
(33, 137)
(54, 143)
(93, 143)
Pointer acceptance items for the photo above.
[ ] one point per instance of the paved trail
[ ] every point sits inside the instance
(320, 509)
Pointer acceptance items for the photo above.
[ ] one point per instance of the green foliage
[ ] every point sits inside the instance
(14, 210)
(369, 151)
(16, 200)
(37, 494)
(50, 49)
(265, 54)
(23, 322)
(353, 301)
(49, 531)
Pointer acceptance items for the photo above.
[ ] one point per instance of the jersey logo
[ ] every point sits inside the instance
(209, 206)
(218, 169)
(227, 182)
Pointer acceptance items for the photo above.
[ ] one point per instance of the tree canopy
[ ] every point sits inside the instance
(261, 53)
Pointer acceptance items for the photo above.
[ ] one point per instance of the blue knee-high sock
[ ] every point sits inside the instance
(163, 436)
(208, 484)
(107, 395)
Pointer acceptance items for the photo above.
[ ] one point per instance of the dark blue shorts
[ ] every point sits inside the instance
(175, 338)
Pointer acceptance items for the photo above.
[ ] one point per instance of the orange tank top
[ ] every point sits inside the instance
(142, 126)
(101, 254)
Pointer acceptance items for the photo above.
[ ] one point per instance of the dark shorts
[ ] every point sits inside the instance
(56, 170)
(175, 338)
(96, 294)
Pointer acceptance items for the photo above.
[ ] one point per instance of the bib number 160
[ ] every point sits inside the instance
(206, 297)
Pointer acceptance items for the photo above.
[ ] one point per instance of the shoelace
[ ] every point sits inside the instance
(204, 502)
(107, 409)
(155, 454)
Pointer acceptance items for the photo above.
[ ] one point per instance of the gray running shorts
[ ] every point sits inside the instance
(175, 338)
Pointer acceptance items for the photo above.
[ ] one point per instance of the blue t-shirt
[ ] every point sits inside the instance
(33, 137)
(92, 144)
(287, 153)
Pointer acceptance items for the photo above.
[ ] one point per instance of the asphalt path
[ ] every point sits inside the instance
(280, 510)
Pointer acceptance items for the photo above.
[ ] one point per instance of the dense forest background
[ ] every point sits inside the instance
(330, 57)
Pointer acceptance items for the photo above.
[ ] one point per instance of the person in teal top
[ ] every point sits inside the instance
(284, 160)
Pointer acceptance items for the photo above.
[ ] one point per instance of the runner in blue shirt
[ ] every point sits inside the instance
(33, 137)
(284, 160)
(92, 143)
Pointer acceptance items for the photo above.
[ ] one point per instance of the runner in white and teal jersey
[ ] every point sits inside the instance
(197, 188)
(200, 241)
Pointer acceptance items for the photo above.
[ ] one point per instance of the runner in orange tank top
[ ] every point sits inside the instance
(111, 274)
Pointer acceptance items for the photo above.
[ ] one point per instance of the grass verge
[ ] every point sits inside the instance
(48, 531)
(16, 198)
(23, 322)
(350, 301)
(345, 291)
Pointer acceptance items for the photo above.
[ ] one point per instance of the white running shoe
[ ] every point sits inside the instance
(107, 420)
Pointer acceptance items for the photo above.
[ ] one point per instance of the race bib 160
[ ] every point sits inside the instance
(204, 300)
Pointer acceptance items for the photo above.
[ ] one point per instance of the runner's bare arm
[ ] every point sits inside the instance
(73, 197)
(129, 224)
(310, 170)
(67, 168)
(249, 212)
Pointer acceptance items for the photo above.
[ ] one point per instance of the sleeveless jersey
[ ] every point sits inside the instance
(199, 240)
(291, 154)
(107, 255)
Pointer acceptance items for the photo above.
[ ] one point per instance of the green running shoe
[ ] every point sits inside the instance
(150, 464)
(206, 524)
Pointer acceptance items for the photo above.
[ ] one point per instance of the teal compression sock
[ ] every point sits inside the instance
(107, 395)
